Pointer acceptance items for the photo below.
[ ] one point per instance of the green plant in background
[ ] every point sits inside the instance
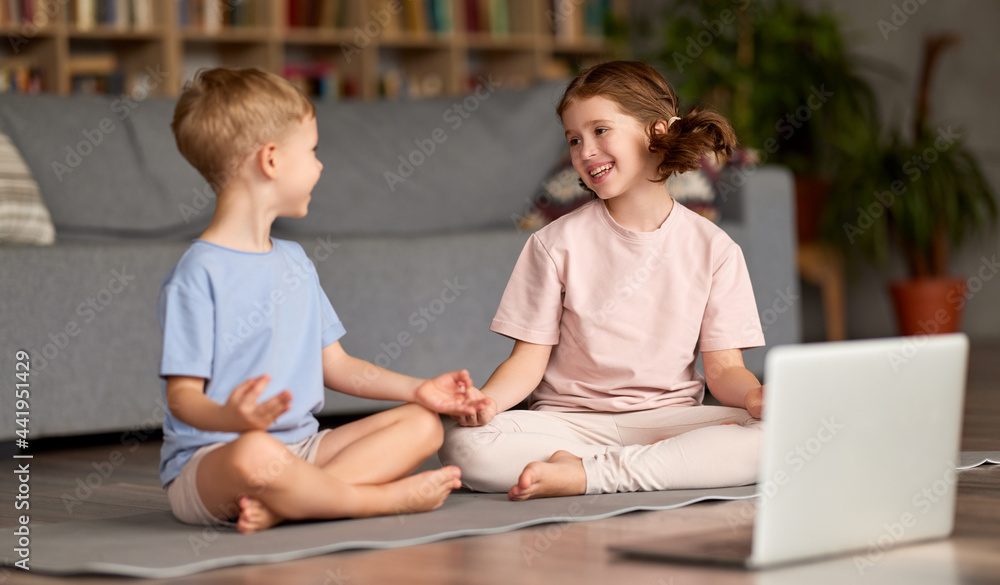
(925, 193)
(780, 73)
(922, 194)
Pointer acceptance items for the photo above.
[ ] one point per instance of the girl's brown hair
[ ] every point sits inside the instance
(641, 92)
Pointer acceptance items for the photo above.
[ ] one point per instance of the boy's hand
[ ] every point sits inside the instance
(754, 402)
(243, 412)
(483, 415)
(449, 394)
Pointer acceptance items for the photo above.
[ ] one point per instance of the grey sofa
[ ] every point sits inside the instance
(411, 228)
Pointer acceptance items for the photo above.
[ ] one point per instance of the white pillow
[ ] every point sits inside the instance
(24, 219)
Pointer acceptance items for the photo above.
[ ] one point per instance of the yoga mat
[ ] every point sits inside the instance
(970, 459)
(155, 545)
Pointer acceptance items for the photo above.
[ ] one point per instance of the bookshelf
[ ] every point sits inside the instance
(335, 49)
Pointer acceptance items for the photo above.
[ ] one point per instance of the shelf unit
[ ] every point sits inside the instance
(376, 48)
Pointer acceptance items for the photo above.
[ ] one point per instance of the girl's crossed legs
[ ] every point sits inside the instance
(542, 453)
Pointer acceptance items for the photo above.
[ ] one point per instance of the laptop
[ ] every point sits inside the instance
(859, 454)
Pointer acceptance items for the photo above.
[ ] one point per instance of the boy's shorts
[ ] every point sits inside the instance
(182, 492)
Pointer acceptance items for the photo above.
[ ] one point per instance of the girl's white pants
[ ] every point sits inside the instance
(681, 447)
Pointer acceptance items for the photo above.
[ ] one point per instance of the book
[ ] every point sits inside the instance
(390, 16)
(445, 11)
(17, 78)
(483, 11)
(14, 12)
(324, 14)
(415, 12)
(317, 79)
(117, 14)
(327, 17)
(472, 16)
(142, 14)
(573, 20)
(567, 19)
(212, 15)
(594, 17)
(121, 14)
(432, 15)
(86, 12)
(183, 20)
(499, 18)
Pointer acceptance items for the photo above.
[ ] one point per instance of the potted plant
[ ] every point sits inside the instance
(783, 77)
(926, 194)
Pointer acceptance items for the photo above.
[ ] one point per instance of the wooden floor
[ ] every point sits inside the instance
(575, 552)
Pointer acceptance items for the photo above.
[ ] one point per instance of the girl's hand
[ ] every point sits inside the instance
(483, 415)
(244, 414)
(450, 394)
(754, 402)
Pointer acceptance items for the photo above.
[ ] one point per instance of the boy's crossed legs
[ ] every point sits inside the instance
(359, 470)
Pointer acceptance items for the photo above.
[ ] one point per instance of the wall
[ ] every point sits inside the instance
(965, 89)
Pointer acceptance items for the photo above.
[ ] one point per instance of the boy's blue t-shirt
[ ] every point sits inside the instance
(228, 316)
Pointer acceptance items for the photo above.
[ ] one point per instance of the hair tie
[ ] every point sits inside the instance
(671, 121)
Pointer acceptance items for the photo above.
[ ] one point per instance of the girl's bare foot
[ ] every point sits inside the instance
(255, 516)
(425, 491)
(561, 475)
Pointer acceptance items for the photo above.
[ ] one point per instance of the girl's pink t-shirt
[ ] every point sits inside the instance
(627, 312)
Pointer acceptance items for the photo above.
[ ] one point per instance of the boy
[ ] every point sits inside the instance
(250, 340)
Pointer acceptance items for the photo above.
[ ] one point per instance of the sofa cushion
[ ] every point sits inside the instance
(189, 200)
(23, 216)
(432, 165)
(83, 156)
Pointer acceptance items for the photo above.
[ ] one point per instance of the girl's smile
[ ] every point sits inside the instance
(598, 172)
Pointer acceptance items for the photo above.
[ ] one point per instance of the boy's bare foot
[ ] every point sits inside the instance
(255, 516)
(425, 491)
(561, 475)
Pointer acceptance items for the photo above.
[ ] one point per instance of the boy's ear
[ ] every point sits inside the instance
(267, 160)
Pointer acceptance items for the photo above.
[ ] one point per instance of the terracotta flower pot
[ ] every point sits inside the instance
(926, 306)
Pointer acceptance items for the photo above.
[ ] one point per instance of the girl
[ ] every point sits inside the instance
(609, 306)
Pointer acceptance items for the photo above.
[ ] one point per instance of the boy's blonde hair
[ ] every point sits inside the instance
(224, 115)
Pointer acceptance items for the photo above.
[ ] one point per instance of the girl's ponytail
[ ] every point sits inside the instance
(688, 139)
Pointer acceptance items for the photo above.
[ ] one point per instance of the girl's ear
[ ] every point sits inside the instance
(660, 127)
